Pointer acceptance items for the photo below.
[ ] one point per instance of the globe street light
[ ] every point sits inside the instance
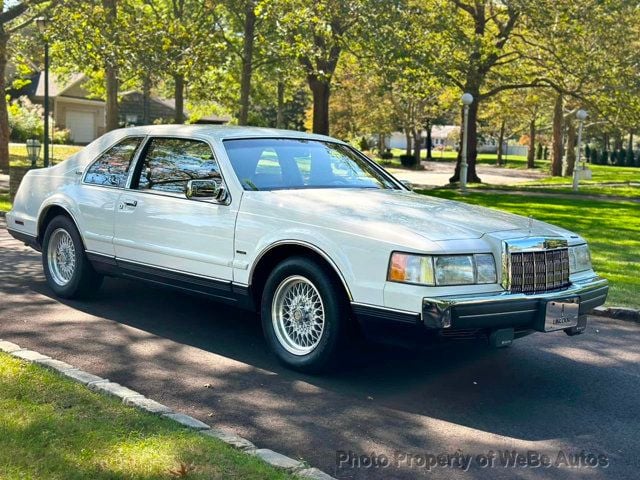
(42, 23)
(467, 99)
(581, 115)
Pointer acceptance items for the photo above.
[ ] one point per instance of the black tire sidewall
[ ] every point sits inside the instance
(83, 268)
(335, 310)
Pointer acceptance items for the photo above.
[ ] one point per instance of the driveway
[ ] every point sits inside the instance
(437, 174)
(546, 394)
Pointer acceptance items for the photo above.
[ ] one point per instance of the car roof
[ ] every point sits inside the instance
(222, 132)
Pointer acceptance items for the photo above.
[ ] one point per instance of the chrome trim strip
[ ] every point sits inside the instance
(395, 310)
(320, 252)
(513, 312)
(126, 260)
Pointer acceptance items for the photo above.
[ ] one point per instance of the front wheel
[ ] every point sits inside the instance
(305, 316)
(66, 267)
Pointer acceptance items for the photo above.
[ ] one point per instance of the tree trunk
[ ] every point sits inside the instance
(111, 75)
(571, 147)
(280, 110)
(146, 100)
(407, 136)
(320, 90)
(111, 103)
(178, 81)
(247, 60)
(429, 128)
(501, 142)
(417, 142)
(4, 116)
(532, 144)
(556, 161)
(472, 145)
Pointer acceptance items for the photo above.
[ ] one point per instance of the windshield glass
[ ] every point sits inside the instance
(274, 163)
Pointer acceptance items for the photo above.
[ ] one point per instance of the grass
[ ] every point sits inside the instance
(5, 204)
(18, 154)
(53, 428)
(612, 229)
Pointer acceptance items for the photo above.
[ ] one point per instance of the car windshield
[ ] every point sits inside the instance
(272, 164)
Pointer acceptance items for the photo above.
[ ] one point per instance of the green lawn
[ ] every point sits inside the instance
(611, 228)
(53, 428)
(18, 153)
(5, 204)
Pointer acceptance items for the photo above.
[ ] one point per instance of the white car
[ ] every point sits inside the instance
(304, 229)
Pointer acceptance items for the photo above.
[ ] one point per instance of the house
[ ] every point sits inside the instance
(441, 136)
(73, 108)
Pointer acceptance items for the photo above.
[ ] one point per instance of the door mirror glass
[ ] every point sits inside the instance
(206, 189)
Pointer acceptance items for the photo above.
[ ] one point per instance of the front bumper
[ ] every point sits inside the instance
(476, 313)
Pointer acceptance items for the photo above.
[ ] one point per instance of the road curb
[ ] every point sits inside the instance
(620, 313)
(137, 400)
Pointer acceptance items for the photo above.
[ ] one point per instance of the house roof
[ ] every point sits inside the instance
(57, 84)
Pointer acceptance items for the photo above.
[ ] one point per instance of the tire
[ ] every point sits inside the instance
(305, 315)
(66, 266)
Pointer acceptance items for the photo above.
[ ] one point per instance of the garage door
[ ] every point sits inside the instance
(82, 125)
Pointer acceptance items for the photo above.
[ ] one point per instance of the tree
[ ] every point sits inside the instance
(13, 18)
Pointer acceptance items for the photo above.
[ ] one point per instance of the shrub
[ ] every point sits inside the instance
(593, 156)
(364, 144)
(622, 157)
(629, 160)
(61, 136)
(407, 160)
(546, 153)
(539, 152)
(604, 158)
(587, 151)
(25, 120)
(386, 155)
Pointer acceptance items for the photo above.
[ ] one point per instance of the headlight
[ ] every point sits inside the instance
(579, 258)
(442, 269)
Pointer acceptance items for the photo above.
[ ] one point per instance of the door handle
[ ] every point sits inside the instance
(131, 203)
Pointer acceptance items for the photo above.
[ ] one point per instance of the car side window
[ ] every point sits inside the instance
(169, 163)
(112, 167)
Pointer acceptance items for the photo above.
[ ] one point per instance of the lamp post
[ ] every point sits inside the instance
(42, 26)
(467, 99)
(33, 150)
(581, 115)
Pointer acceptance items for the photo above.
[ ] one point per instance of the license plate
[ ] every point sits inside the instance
(561, 314)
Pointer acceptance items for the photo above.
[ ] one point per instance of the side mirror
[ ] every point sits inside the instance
(407, 184)
(206, 189)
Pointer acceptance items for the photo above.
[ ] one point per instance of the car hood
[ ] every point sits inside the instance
(366, 211)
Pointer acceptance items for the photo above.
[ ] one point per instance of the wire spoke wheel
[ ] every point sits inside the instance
(298, 315)
(61, 257)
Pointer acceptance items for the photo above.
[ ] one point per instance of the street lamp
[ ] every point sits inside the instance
(581, 115)
(42, 23)
(467, 99)
(33, 150)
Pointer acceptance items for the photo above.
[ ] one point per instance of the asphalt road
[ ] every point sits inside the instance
(546, 394)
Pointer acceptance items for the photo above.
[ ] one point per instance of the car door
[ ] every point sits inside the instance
(158, 229)
(100, 191)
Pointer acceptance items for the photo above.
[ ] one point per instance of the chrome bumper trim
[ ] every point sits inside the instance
(437, 311)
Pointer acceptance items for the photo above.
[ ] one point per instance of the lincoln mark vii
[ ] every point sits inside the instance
(307, 231)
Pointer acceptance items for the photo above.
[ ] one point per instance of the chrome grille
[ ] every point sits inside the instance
(539, 271)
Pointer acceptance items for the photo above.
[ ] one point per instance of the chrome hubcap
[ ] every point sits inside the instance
(297, 314)
(61, 257)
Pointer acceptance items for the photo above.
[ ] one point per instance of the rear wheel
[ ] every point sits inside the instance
(305, 316)
(66, 267)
